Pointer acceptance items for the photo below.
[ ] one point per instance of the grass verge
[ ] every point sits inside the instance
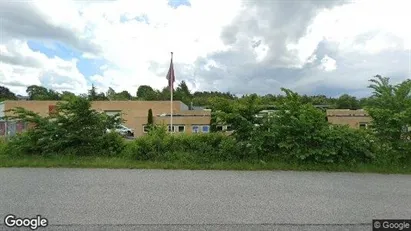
(123, 163)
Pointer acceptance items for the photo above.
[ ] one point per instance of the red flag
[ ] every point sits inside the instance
(170, 74)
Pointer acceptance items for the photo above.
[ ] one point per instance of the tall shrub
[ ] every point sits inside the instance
(199, 148)
(74, 128)
(299, 132)
(391, 115)
(150, 121)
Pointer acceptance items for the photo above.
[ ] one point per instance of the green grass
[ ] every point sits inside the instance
(122, 163)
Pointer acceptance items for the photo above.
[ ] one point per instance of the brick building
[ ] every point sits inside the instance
(353, 118)
(134, 113)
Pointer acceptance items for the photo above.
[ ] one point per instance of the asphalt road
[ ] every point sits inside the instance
(96, 199)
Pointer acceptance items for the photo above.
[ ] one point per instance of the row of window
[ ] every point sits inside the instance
(224, 128)
(178, 115)
(182, 128)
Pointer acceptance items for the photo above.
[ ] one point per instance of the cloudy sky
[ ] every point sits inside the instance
(311, 46)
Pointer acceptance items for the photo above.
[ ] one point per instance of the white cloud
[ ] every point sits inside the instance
(21, 67)
(366, 26)
(134, 39)
(328, 64)
(131, 46)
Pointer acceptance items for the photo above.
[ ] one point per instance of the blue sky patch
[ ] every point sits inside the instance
(177, 3)
(141, 18)
(87, 67)
(52, 49)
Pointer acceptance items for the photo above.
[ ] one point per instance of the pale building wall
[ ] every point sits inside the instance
(352, 118)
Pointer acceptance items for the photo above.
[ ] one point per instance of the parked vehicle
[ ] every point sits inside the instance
(122, 130)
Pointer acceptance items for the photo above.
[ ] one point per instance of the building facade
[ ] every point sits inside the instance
(353, 118)
(135, 113)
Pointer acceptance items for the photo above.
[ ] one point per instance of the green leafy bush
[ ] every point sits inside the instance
(75, 128)
(299, 132)
(342, 144)
(3, 147)
(391, 118)
(112, 144)
(199, 148)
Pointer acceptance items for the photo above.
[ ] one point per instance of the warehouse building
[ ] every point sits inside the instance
(135, 114)
(353, 118)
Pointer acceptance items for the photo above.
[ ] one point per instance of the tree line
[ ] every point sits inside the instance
(210, 99)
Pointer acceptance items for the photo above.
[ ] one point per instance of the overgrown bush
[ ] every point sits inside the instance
(345, 145)
(74, 128)
(112, 144)
(3, 147)
(298, 132)
(195, 148)
(301, 133)
(391, 118)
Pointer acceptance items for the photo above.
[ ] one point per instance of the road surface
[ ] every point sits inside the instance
(102, 199)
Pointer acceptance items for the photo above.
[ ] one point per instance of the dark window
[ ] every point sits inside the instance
(363, 125)
(195, 129)
(170, 129)
(181, 128)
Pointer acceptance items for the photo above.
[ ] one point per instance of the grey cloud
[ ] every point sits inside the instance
(241, 75)
(276, 24)
(15, 84)
(14, 57)
(20, 60)
(351, 76)
(256, 44)
(353, 72)
(22, 20)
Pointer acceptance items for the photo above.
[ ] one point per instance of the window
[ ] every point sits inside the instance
(177, 128)
(206, 128)
(195, 128)
(363, 125)
(146, 128)
(169, 128)
(181, 128)
(219, 128)
(229, 128)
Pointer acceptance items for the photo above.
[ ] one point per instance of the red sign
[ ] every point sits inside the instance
(52, 109)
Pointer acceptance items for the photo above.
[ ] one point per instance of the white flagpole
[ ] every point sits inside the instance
(171, 92)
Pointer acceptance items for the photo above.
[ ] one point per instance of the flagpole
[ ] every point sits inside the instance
(171, 98)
